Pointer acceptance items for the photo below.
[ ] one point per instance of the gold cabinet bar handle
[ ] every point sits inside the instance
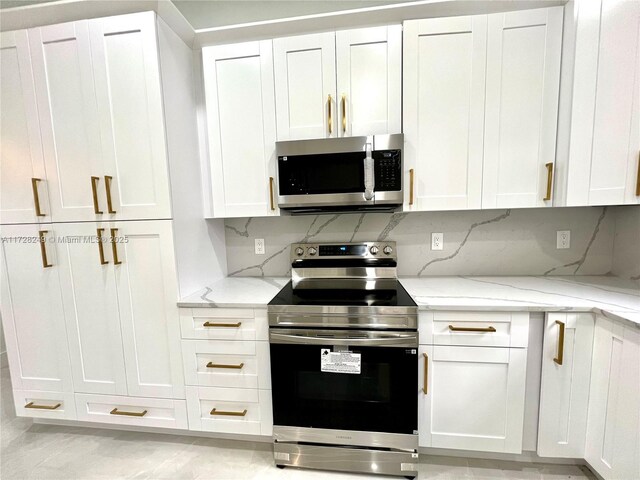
(224, 365)
(560, 356)
(43, 248)
(230, 414)
(426, 373)
(99, 232)
(638, 179)
(344, 113)
(230, 325)
(114, 249)
(411, 186)
(36, 197)
(94, 191)
(273, 207)
(43, 407)
(115, 411)
(107, 186)
(472, 329)
(549, 181)
(329, 117)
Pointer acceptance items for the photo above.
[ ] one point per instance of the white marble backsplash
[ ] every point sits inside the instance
(626, 243)
(481, 242)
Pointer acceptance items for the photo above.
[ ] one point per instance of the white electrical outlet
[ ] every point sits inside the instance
(437, 241)
(259, 246)
(563, 239)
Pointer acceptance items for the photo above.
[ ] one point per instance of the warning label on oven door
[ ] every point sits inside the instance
(339, 362)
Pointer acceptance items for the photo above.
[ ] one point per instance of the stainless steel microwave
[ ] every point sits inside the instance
(340, 174)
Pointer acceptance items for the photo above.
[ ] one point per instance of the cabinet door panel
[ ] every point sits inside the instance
(305, 77)
(444, 88)
(369, 64)
(523, 72)
(564, 392)
(32, 311)
(91, 309)
(241, 121)
(147, 294)
(71, 142)
(128, 91)
(474, 399)
(21, 151)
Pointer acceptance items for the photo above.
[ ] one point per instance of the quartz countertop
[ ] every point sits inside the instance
(611, 296)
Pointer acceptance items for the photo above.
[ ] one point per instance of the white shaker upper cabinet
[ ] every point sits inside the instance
(305, 80)
(604, 162)
(241, 122)
(124, 52)
(444, 88)
(61, 56)
(144, 264)
(564, 392)
(91, 308)
(32, 310)
(523, 72)
(23, 187)
(369, 80)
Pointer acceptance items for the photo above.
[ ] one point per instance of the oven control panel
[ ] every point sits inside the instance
(348, 250)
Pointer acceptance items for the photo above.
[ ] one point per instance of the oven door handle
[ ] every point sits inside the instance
(397, 340)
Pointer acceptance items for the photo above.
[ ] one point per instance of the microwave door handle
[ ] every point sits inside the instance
(308, 340)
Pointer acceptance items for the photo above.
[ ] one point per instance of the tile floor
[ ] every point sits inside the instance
(44, 452)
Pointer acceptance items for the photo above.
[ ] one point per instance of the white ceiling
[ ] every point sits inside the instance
(216, 13)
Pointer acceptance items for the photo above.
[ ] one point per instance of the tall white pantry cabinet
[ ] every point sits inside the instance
(89, 277)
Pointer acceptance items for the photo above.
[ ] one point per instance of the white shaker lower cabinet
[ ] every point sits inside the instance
(613, 425)
(92, 313)
(564, 391)
(32, 310)
(444, 88)
(23, 187)
(472, 398)
(523, 74)
(239, 90)
(144, 264)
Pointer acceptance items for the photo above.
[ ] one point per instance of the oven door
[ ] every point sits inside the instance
(374, 392)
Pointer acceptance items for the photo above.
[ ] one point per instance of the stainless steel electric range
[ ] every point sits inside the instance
(344, 362)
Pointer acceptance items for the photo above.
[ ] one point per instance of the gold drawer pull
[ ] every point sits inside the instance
(560, 356)
(329, 116)
(549, 181)
(94, 191)
(344, 113)
(472, 329)
(271, 202)
(115, 411)
(99, 232)
(43, 248)
(230, 325)
(36, 197)
(224, 365)
(229, 414)
(42, 407)
(107, 187)
(426, 373)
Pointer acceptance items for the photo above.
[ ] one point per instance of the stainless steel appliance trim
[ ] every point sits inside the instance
(339, 145)
(364, 311)
(365, 338)
(398, 441)
(392, 197)
(354, 283)
(340, 321)
(346, 459)
(367, 255)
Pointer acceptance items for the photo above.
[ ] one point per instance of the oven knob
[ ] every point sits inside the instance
(373, 249)
(387, 249)
(312, 250)
(299, 251)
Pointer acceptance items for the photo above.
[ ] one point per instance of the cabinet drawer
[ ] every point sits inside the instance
(490, 329)
(158, 412)
(230, 410)
(218, 323)
(36, 404)
(226, 364)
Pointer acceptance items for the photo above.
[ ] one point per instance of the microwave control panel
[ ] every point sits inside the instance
(387, 170)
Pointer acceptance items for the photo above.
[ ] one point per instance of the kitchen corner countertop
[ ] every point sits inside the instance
(611, 296)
